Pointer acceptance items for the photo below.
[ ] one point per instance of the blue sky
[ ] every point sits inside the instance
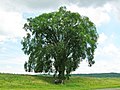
(104, 13)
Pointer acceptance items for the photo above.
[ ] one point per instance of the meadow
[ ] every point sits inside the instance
(44, 82)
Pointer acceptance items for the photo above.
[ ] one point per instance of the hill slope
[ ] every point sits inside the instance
(34, 82)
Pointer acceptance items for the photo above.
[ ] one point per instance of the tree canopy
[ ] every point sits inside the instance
(58, 41)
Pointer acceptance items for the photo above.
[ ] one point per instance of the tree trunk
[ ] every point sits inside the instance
(61, 75)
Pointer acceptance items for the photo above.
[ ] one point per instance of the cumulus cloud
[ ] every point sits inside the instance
(2, 38)
(19, 5)
(38, 5)
(11, 25)
(109, 58)
(96, 15)
(29, 5)
(102, 38)
(107, 47)
(116, 8)
(107, 54)
(90, 3)
(111, 51)
(109, 5)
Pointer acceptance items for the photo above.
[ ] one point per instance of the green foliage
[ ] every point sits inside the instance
(58, 41)
(34, 82)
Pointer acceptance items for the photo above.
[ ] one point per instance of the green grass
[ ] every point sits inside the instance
(39, 82)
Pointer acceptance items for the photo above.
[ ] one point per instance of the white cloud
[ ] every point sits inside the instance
(110, 50)
(116, 8)
(107, 57)
(2, 38)
(90, 3)
(97, 15)
(107, 46)
(29, 5)
(102, 38)
(11, 25)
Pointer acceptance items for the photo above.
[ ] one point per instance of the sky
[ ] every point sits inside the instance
(105, 14)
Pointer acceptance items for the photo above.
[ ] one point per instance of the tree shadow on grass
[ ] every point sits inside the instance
(46, 78)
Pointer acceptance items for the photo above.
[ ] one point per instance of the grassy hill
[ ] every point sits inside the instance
(40, 82)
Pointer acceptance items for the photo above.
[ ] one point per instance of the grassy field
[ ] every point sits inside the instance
(39, 82)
